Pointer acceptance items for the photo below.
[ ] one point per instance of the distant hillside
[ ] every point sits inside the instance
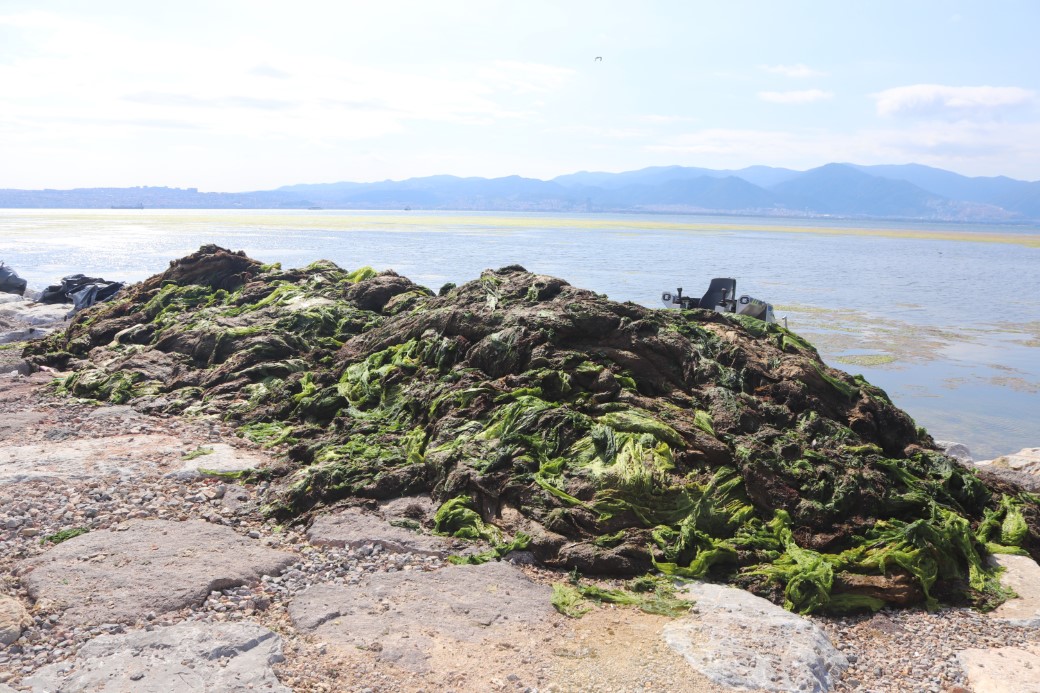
(909, 191)
(841, 189)
(704, 192)
(1015, 196)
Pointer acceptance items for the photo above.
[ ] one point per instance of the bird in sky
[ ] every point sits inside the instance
(599, 58)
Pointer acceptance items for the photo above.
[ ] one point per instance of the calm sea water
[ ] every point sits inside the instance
(946, 318)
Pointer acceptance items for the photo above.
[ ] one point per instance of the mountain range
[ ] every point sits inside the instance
(909, 191)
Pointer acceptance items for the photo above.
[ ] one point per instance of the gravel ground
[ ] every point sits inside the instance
(911, 649)
(890, 651)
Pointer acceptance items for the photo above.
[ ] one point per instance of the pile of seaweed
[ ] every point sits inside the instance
(604, 437)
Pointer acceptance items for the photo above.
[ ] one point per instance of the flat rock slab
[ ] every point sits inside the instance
(84, 459)
(152, 565)
(742, 641)
(401, 615)
(220, 457)
(1022, 574)
(185, 658)
(354, 527)
(1002, 669)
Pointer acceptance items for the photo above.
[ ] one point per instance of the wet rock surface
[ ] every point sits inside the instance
(745, 642)
(185, 658)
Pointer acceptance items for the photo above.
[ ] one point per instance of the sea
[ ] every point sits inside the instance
(944, 317)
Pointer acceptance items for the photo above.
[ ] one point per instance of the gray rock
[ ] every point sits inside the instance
(29, 313)
(25, 334)
(353, 527)
(1026, 460)
(957, 451)
(85, 459)
(1022, 574)
(13, 620)
(739, 640)
(157, 566)
(186, 658)
(397, 615)
(417, 508)
(221, 458)
(22, 320)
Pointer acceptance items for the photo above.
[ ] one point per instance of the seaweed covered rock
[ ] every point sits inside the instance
(602, 436)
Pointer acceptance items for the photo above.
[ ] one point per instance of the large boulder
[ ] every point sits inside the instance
(603, 436)
(747, 643)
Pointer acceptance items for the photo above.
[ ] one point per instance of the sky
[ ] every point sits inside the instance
(227, 95)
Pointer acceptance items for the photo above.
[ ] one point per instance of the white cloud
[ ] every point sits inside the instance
(81, 69)
(801, 96)
(937, 100)
(264, 70)
(654, 119)
(798, 71)
(595, 131)
(524, 78)
(745, 147)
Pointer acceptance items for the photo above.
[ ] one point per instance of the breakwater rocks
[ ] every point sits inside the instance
(600, 436)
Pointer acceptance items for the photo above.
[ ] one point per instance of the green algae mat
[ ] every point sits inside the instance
(604, 437)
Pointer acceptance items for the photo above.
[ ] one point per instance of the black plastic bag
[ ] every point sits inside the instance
(10, 282)
(81, 291)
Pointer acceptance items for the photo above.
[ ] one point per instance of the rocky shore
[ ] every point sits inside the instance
(139, 550)
(67, 465)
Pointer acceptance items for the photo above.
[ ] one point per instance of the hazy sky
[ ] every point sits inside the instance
(228, 95)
